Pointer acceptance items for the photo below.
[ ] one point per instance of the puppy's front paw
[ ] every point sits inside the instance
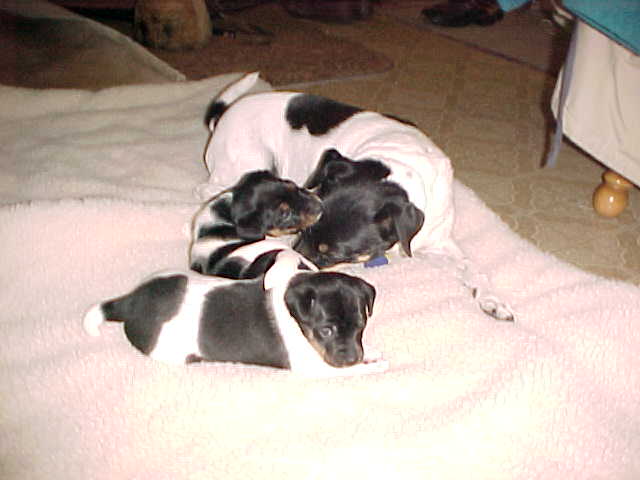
(374, 366)
(371, 355)
(364, 368)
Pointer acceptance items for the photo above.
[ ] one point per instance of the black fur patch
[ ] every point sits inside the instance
(218, 263)
(214, 112)
(146, 309)
(317, 113)
(236, 326)
(221, 231)
(261, 264)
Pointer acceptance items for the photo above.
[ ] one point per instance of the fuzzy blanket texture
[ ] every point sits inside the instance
(96, 194)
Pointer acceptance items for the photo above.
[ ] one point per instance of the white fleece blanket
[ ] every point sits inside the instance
(97, 190)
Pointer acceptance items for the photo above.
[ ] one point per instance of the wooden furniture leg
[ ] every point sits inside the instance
(611, 197)
(172, 24)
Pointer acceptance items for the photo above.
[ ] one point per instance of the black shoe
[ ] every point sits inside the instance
(460, 13)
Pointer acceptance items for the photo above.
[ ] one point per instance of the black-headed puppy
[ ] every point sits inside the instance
(309, 322)
(360, 222)
(231, 229)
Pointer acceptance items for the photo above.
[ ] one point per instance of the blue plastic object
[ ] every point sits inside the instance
(376, 262)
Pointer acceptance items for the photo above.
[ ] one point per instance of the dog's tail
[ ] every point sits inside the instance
(229, 95)
(95, 317)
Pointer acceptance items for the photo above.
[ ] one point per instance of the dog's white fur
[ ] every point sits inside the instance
(253, 133)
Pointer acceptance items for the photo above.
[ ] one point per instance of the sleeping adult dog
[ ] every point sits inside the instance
(288, 133)
(309, 322)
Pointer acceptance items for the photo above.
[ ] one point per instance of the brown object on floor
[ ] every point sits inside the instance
(288, 51)
(172, 24)
(612, 196)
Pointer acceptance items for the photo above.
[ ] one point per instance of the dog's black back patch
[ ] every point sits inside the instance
(146, 309)
(317, 113)
(237, 326)
(220, 264)
(261, 264)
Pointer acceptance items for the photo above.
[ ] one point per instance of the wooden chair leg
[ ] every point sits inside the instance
(611, 197)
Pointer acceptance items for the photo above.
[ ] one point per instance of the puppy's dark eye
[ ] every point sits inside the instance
(284, 207)
(326, 332)
(285, 210)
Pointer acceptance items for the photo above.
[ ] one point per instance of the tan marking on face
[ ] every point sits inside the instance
(309, 219)
(323, 248)
(279, 232)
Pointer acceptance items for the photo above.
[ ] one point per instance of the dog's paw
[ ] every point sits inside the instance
(376, 366)
(494, 307)
(364, 368)
(371, 355)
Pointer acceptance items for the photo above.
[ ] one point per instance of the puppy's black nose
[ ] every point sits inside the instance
(349, 358)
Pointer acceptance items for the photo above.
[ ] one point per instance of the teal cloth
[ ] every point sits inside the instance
(507, 5)
(618, 19)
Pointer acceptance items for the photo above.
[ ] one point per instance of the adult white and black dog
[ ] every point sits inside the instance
(308, 322)
(289, 132)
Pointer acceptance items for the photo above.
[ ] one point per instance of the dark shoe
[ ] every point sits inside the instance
(460, 13)
(342, 11)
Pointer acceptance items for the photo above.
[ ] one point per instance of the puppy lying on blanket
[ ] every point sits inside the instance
(288, 133)
(229, 231)
(309, 322)
(380, 214)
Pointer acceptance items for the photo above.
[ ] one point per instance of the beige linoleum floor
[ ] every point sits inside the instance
(491, 116)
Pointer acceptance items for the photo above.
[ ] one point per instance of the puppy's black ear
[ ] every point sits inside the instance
(300, 301)
(331, 167)
(402, 221)
(369, 294)
(250, 226)
(245, 211)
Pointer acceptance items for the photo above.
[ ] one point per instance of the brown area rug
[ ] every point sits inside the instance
(297, 51)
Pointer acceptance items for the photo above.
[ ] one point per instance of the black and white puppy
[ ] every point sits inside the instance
(309, 322)
(364, 215)
(288, 133)
(229, 232)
